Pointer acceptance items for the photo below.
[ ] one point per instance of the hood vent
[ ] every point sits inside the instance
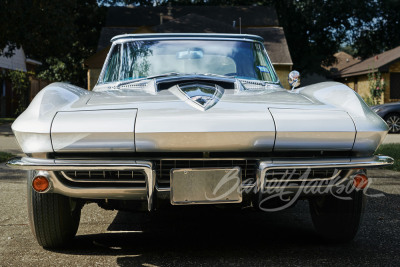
(165, 85)
(201, 96)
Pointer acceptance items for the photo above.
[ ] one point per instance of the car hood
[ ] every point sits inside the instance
(322, 117)
(173, 120)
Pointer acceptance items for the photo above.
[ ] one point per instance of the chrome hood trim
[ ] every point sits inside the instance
(199, 95)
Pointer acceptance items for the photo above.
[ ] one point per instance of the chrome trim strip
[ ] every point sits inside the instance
(350, 163)
(147, 166)
(26, 163)
(201, 36)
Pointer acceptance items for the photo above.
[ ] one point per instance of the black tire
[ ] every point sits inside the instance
(393, 121)
(53, 218)
(336, 219)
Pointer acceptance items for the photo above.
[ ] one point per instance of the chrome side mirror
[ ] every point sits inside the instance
(294, 79)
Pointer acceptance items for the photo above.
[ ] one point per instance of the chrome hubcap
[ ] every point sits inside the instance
(394, 124)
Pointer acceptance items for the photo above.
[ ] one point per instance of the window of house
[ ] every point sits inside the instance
(395, 85)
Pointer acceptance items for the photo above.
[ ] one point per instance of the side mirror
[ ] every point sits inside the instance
(294, 79)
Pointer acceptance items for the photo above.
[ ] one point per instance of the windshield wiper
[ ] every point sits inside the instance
(167, 75)
(147, 78)
(218, 75)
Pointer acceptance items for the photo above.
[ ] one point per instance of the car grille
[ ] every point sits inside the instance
(163, 168)
(137, 178)
(98, 176)
(297, 177)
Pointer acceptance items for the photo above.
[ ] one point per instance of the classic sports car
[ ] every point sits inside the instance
(192, 119)
(390, 112)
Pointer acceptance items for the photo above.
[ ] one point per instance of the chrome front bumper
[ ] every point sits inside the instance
(147, 192)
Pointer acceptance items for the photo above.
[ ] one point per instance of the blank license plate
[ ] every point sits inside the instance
(206, 186)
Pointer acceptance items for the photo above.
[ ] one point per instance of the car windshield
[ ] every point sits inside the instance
(141, 59)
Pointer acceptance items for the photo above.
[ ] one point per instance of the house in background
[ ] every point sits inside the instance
(8, 103)
(256, 20)
(356, 74)
(343, 61)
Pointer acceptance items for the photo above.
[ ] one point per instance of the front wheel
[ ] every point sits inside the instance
(53, 218)
(337, 219)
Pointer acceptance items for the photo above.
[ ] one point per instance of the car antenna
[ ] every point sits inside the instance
(240, 25)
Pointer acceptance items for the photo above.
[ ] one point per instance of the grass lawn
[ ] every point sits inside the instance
(391, 150)
(4, 156)
(6, 120)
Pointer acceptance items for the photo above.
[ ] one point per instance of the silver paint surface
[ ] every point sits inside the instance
(81, 131)
(324, 116)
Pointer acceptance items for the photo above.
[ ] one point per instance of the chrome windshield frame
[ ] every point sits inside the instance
(121, 40)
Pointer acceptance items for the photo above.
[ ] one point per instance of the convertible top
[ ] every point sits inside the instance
(189, 35)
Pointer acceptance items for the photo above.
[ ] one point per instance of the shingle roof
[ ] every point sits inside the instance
(274, 37)
(379, 62)
(251, 16)
(196, 24)
(344, 60)
(109, 32)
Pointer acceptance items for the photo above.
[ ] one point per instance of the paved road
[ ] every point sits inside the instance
(392, 139)
(9, 144)
(202, 237)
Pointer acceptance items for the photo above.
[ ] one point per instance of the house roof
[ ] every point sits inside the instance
(195, 24)
(109, 32)
(15, 62)
(379, 62)
(251, 16)
(123, 20)
(343, 60)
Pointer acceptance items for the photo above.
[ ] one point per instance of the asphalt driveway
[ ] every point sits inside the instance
(202, 236)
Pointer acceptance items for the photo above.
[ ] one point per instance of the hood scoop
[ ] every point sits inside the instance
(201, 96)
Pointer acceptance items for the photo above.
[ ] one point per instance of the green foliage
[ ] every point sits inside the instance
(369, 101)
(6, 120)
(381, 32)
(4, 156)
(376, 85)
(54, 32)
(20, 87)
(62, 33)
(315, 29)
(391, 150)
(349, 50)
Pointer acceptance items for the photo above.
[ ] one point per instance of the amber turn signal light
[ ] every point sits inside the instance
(360, 181)
(40, 183)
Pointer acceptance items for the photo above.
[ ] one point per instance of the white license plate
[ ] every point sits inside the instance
(206, 186)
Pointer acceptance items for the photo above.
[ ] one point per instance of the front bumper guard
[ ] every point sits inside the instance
(126, 193)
